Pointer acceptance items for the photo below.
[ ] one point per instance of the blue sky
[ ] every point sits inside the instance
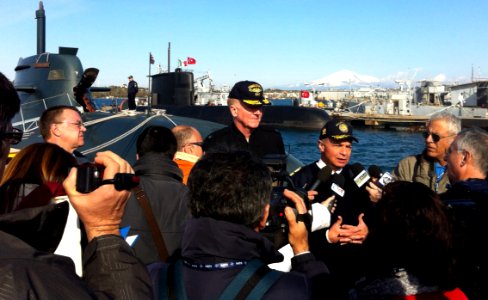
(274, 42)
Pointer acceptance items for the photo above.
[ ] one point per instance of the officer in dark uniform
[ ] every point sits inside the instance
(132, 90)
(245, 102)
(340, 250)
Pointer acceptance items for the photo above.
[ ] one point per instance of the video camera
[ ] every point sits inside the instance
(90, 177)
(276, 225)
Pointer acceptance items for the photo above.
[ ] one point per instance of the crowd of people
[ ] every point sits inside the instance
(193, 224)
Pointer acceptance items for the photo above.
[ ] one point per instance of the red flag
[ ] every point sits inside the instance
(191, 61)
(304, 94)
(151, 58)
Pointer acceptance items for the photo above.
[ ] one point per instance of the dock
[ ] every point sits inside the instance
(399, 122)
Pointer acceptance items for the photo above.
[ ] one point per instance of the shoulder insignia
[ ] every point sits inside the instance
(296, 170)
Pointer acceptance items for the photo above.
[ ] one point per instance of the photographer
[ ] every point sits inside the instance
(230, 205)
(110, 268)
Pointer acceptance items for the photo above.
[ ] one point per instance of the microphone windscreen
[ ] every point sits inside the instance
(324, 173)
(356, 168)
(375, 171)
(359, 174)
(337, 185)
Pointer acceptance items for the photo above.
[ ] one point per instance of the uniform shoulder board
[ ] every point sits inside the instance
(296, 170)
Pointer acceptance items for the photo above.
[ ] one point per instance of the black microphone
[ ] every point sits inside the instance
(337, 185)
(359, 174)
(383, 178)
(375, 171)
(337, 188)
(322, 176)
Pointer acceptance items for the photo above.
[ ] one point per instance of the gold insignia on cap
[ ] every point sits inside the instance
(343, 128)
(324, 131)
(255, 88)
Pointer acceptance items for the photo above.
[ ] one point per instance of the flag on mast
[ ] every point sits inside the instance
(151, 58)
(182, 63)
(191, 61)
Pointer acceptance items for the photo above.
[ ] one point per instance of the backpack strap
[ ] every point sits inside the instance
(252, 282)
(151, 221)
(170, 282)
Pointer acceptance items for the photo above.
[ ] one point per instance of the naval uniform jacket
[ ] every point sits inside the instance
(168, 197)
(420, 168)
(208, 241)
(345, 262)
(263, 140)
(29, 270)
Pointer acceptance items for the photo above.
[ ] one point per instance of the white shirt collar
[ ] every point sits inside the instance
(321, 164)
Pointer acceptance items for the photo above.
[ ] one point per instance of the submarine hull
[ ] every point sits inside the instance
(174, 92)
(293, 117)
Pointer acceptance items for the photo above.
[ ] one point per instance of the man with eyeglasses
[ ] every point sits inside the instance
(429, 167)
(62, 125)
(246, 101)
(190, 148)
(29, 236)
(467, 202)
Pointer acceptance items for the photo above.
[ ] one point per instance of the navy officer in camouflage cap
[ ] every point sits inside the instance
(246, 101)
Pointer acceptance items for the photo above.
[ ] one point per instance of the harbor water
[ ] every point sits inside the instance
(375, 147)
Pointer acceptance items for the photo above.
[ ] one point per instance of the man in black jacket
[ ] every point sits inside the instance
(28, 269)
(246, 100)
(340, 245)
(161, 180)
(230, 204)
(467, 200)
(132, 90)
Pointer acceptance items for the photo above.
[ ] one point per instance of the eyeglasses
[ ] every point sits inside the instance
(13, 137)
(199, 144)
(435, 136)
(79, 124)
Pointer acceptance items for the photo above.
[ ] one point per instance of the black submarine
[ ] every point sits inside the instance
(175, 92)
(49, 79)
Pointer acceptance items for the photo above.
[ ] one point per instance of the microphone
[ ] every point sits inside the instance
(375, 171)
(383, 178)
(322, 176)
(359, 174)
(337, 187)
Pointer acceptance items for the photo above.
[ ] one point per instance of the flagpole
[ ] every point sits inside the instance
(149, 96)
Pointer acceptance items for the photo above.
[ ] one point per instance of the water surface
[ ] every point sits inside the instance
(376, 147)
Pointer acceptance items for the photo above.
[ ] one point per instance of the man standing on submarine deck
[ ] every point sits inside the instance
(246, 101)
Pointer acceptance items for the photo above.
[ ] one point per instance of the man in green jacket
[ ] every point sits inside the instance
(429, 167)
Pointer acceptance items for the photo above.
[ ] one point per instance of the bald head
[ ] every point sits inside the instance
(188, 139)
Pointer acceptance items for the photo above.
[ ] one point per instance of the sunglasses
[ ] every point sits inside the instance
(13, 137)
(435, 136)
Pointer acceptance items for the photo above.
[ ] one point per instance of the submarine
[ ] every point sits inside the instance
(175, 92)
(47, 79)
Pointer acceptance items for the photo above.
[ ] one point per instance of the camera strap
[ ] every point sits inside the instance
(153, 224)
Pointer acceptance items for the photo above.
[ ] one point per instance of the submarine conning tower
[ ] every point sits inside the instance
(173, 88)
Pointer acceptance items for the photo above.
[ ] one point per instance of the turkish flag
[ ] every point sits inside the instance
(191, 61)
(304, 94)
